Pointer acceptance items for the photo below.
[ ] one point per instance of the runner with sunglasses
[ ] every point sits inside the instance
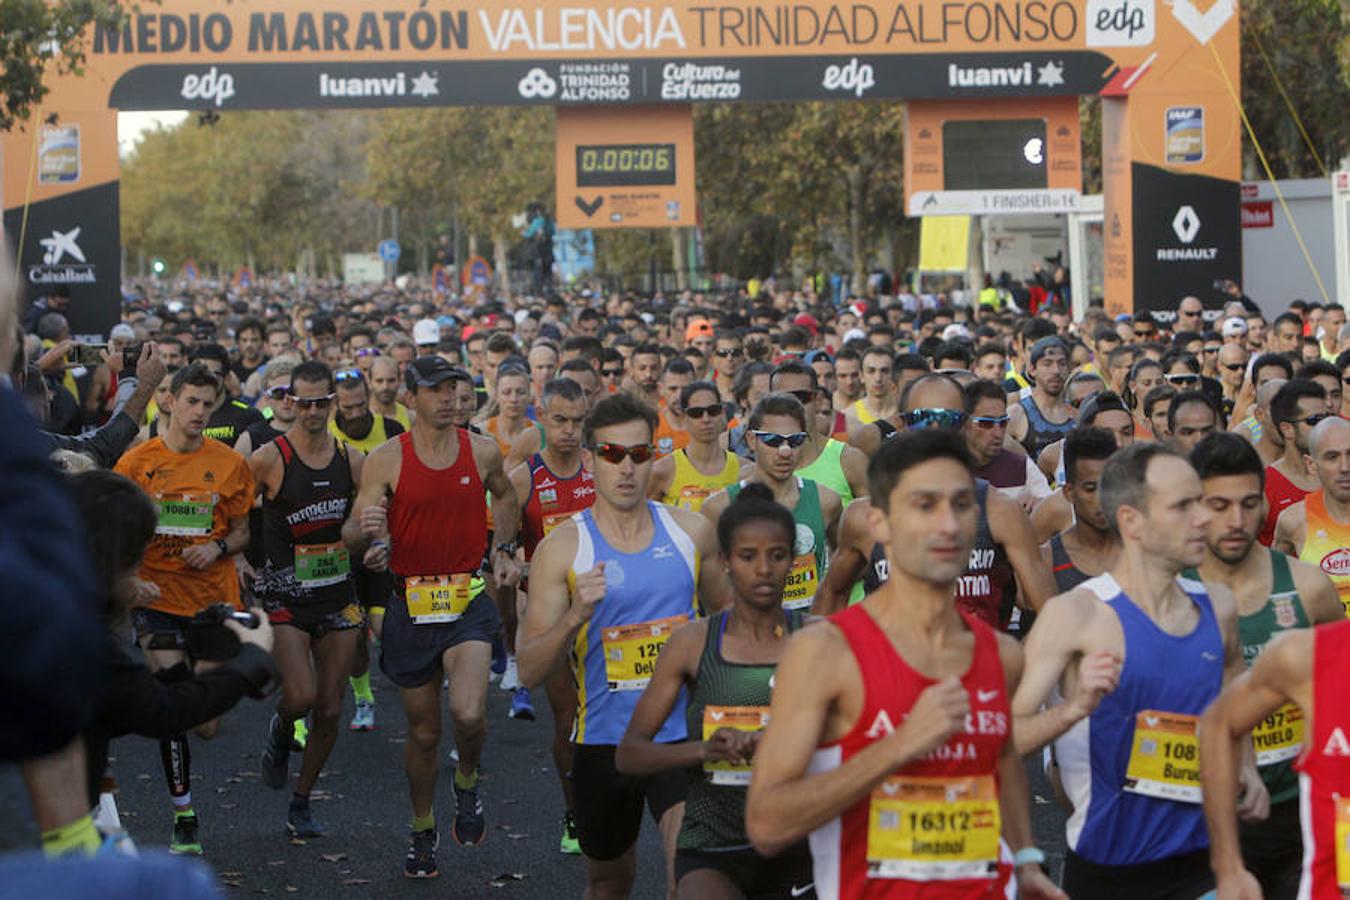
(726, 665)
(438, 624)
(307, 479)
(360, 428)
(777, 435)
(203, 492)
(1317, 528)
(727, 358)
(554, 486)
(1297, 407)
(607, 588)
(1012, 473)
(692, 474)
(824, 460)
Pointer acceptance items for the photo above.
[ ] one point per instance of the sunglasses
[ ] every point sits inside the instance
(1211, 350)
(804, 396)
(612, 373)
(349, 375)
(1311, 421)
(934, 418)
(313, 402)
(1144, 333)
(1182, 378)
(277, 393)
(729, 354)
(367, 351)
(1238, 367)
(988, 423)
(698, 412)
(773, 440)
(614, 453)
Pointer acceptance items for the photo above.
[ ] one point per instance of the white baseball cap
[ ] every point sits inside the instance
(425, 332)
(1234, 327)
(122, 332)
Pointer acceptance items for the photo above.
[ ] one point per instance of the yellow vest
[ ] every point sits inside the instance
(375, 438)
(690, 487)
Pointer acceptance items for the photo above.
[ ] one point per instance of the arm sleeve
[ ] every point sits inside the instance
(134, 701)
(106, 445)
(53, 630)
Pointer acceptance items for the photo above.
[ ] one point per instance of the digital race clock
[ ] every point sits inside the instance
(617, 165)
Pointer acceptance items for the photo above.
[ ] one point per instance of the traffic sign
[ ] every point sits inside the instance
(389, 250)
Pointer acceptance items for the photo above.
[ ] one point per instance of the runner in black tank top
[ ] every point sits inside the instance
(1067, 575)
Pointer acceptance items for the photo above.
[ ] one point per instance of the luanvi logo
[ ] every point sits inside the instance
(213, 85)
(395, 85)
(1119, 23)
(1026, 75)
(853, 77)
(55, 268)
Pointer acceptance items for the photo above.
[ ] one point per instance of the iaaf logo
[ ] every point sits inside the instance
(53, 269)
(1120, 23)
(852, 76)
(215, 86)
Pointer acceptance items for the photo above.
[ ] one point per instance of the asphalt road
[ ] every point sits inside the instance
(362, 799)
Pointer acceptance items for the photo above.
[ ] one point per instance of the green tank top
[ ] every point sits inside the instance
(810, 553)
(827, 469)
(725, 694)
(1279, 738)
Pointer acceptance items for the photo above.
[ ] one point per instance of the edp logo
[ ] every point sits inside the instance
(214, 86)
(852, 76)
(1119, 23)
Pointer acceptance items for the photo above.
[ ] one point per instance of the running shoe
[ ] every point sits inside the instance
(364, 718)
(299, 736)
(569, 843)
(498, 659)
(421, 859)
(184, 840)
(510, 677)
(300, 821)
(521, 707)
(470, 826)
(276, 756)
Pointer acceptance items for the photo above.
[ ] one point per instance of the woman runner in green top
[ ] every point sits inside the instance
(726, 663)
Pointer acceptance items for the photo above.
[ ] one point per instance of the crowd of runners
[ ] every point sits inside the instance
(804, 583)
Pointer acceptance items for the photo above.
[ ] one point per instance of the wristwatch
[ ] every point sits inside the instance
(509, 548)
(223, 547)
(1029, 856)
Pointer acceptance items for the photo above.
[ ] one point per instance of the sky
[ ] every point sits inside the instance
(130, 126)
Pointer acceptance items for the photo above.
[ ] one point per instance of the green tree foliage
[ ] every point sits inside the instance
(1306, 43)
(41, 36)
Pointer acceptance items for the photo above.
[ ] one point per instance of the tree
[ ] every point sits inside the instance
(41, 35)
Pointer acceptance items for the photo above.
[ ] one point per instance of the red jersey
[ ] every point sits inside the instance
(1281, 493)
(553, 500)
(932, 829)
(1324, 769)
(437, 518)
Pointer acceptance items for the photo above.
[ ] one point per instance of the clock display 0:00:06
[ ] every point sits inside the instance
(616, 165)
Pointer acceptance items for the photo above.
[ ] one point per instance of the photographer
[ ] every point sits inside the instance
(120, 521)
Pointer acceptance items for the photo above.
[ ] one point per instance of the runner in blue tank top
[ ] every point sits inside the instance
(607, 589)
(1139, 652)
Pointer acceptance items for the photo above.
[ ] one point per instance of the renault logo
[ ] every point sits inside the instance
(1186, 224)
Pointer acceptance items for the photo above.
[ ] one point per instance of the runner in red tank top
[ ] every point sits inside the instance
(439, 622)
(1305, 667)
(551, 497)
(897, 760)
(1293, 414)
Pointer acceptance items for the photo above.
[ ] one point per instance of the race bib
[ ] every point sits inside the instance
(631, 651)
(185, 515)
(554, 520)
(801, 582)
(741, 718)
(1165, 757)
(319, 565)
(1342, 842)
(1280, 736)
(436, 599)
(933, 829)
(692, 497)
